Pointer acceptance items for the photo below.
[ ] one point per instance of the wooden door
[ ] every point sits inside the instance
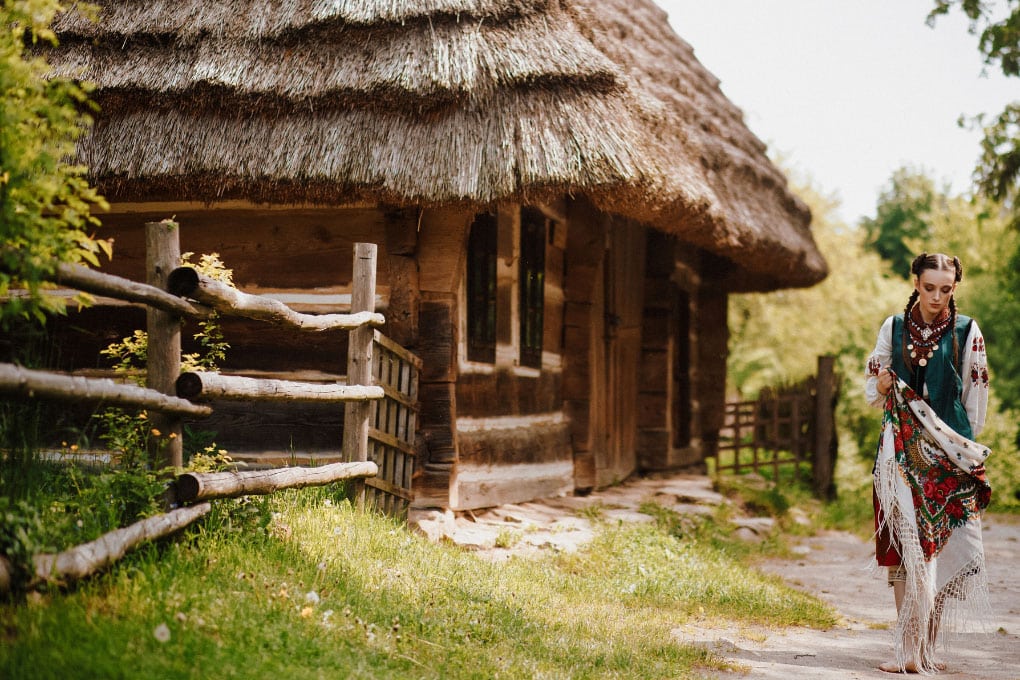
(624, 299)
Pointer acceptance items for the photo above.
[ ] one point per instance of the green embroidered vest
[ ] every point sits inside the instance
(945, 386)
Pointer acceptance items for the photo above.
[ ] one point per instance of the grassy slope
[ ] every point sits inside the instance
(304, 587)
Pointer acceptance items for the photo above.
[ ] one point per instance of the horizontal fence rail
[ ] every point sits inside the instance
(206, 386)
(380, 409)
(26, 382)
(187, 282)
(201, 486)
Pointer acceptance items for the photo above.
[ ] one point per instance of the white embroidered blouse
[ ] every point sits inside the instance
(974, 371)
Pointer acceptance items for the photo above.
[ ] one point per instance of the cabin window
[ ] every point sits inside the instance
(532, 285)
(481, 289)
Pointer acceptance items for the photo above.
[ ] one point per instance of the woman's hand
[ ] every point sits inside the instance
(885, 380)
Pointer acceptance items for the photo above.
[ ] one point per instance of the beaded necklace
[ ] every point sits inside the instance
(925, 337)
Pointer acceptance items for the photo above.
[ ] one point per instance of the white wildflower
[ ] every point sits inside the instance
(162, 632)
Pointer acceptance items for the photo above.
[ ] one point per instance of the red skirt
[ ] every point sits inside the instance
(885, 553)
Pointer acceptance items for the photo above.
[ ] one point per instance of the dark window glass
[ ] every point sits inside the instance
(532, 285)
(481, 289)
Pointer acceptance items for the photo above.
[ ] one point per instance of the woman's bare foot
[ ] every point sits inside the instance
(910, 667)
(893, 667)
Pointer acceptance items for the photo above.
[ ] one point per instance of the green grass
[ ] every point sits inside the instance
(302, 586)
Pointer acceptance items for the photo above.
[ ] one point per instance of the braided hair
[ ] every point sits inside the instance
(938, 262)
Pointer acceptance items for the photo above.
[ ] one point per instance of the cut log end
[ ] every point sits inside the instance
(182, 281)
(188, 488)
(188, 385)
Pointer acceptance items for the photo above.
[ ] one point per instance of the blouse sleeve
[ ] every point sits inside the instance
(974, 372)
(880, 358)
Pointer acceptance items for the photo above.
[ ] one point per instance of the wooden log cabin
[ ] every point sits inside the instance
(562, 198)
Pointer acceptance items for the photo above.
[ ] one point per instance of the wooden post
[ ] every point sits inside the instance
(825, 442)
(359, 358)
(162, 255)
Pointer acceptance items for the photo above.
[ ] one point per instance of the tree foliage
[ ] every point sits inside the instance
(46, 202)
(997, 26)
(902, 218)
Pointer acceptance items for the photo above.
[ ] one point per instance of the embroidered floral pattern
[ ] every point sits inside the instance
(874, 366)
(979, 375)
(978, 345)
(944, 496)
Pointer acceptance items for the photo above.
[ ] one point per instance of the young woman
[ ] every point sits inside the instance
(929, 373)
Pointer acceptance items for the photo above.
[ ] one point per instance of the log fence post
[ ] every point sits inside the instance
(825, 442)
(163, 359)
(359, 359)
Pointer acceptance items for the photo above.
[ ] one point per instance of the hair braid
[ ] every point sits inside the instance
(906, 332)
(952, 329)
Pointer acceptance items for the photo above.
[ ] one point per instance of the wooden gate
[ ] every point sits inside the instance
(392, 425)
(791, 426)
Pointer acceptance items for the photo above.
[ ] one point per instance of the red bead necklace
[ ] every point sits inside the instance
(925, 337)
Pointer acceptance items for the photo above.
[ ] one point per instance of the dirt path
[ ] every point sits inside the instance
(832, 566)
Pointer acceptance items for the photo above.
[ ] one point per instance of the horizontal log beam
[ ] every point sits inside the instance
(201, 386)
(194, 486)
(90, 557)
(82, 278)
(25, 382)
(186, 282)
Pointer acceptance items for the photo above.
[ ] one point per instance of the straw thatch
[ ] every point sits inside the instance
(434, 102)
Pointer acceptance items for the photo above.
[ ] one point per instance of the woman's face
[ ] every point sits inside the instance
(935, 287)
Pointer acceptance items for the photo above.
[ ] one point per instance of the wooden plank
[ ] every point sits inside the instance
(389, 440)
(296, 248)
(534, 443)
(438, 422)
(246, 426)
(401, 352)
(397, 396)
(438, 347)
(432, 486)
(388, 487)
(482, 395)
(442, 248)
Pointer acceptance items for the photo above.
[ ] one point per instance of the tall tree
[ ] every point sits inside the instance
(901, 219)
(45, 202)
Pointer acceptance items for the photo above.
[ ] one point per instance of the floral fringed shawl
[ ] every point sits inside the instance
(931, 487)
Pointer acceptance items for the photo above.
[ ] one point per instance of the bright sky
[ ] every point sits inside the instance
(848, 91)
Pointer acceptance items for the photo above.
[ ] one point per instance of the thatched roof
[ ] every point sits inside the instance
(433, 102)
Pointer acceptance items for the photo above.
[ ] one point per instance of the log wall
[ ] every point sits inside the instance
(583, 331)
(604, 402)
(513, 439)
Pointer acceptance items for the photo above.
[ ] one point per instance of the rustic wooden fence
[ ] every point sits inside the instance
(789, 427)
(380, 395)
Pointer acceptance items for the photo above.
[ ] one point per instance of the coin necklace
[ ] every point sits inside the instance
(925, 337)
